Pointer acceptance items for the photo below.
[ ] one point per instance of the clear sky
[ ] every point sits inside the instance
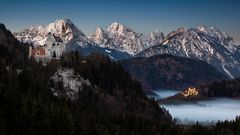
(141, 15)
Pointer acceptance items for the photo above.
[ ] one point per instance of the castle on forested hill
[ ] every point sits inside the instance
(52, 49)
(191, 91)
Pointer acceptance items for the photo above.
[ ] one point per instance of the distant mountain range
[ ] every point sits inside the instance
(207, 44)
(121, 38)
(120, 42)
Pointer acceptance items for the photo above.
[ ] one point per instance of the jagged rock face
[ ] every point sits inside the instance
(100, 37)
(118, 37)
(207, 44)
(121, 38)
(38, 34)
(125, 39)
(154, 38)
(71, 83)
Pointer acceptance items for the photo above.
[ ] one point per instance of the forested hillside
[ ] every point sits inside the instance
(225, 88)
(171, 72)
(35, 100)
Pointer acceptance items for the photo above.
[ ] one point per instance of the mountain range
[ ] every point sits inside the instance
(36, 98)
(203, 43)
(121, 38)
(208, 44)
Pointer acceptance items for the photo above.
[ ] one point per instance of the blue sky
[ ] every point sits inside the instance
(141, 15)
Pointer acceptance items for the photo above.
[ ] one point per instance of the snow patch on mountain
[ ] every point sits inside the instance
(229, 74)
(184, 46)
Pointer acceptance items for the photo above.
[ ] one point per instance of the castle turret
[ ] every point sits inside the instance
(63, 37)
(63, 34)
(30, 51)
(63, 29)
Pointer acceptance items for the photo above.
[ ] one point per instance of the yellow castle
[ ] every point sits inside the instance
(191, 91)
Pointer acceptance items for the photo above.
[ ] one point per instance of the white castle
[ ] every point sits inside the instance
(52, 49)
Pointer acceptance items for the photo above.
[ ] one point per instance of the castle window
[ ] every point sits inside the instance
(53, 44)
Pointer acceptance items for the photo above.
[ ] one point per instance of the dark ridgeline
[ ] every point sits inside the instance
(224, 88)
(113, 104)
(171, 72)
(11, 50)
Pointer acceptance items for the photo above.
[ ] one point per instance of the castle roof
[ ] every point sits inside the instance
(56, 38)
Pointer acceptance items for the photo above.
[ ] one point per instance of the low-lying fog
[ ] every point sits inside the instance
(160, 94)
(207, 112)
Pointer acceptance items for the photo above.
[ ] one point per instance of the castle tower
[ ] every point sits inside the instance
(63, 28)
(30, 52)
(63, 34)
(59, 50)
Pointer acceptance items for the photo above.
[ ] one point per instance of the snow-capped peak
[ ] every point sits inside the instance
(38, 34)
(201, 28)
(124, 39)
(116, 27)
(157, 33)
(219, 37)
(58, 25)
(99, 31)
(213, 27)
(178, 31)
(118, 37)
(100, 37)
(153, 38)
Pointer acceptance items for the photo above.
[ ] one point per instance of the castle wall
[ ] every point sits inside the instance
(47, 52)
